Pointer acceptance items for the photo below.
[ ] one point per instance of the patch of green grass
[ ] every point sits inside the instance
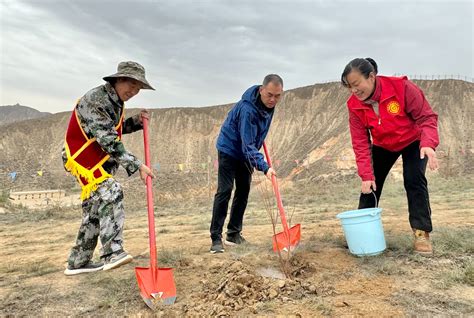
(399, 244)
(171, 258)
(431, 303)
(337, 240)
(238, 251)
(324, 309)
(381, 265)
(4, 196)
(310, 244)
(7, 267)
(202, 223)
(21, 214)
(447, 242)
(29, 300)
(463, 274)
(453, 241)
(117, 291)
(468, 275)
(35, 268)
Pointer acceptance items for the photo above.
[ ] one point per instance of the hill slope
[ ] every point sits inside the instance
(309, 137)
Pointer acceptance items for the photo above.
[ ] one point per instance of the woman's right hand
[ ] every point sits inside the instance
(368, 186)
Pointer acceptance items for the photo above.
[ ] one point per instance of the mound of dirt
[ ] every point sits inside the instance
(236, 287)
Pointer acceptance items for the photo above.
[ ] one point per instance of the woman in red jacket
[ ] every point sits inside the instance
(389, 117)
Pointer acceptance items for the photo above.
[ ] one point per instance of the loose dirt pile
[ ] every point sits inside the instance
(234, 287)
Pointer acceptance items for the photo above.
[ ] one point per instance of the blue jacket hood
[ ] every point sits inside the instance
(245, 129)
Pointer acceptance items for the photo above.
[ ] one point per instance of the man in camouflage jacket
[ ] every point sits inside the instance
(93, 152)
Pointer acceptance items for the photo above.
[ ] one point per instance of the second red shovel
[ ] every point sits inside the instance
(155, 283)
(289, 239)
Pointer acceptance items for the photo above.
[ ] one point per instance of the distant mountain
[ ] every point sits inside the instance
(309, 140)
(13, 113)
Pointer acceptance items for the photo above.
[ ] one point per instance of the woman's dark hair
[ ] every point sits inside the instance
(364, 66)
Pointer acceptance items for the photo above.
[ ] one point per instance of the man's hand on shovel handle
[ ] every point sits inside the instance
(269, 173)
(144, 172)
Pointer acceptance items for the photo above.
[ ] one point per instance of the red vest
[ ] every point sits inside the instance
(392, 129)
(85, 157)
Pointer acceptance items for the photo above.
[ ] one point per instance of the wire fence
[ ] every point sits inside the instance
(438, 77)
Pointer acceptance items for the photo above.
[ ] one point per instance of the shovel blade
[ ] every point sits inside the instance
(283, 243)
(156, 284)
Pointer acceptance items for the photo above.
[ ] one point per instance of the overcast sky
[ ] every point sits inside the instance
(199, 53)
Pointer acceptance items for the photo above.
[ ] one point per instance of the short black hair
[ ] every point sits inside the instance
(272, 78)
(364, 66)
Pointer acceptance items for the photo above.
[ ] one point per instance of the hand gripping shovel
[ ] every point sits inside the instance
(289, 239)
(155, 283)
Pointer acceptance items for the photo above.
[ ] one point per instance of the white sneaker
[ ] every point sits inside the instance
(88, 268)
(117, 260)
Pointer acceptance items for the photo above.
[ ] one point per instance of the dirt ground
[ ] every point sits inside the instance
(327, 280)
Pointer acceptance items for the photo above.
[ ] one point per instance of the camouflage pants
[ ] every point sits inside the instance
(102, 216)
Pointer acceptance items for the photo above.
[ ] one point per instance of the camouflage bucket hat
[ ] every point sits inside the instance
(131, 70)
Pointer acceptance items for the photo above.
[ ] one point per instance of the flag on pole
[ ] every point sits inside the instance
(12, 175)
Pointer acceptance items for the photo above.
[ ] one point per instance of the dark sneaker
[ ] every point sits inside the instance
(217, 247)
(116, 260)
(233, 240)
(88, 268)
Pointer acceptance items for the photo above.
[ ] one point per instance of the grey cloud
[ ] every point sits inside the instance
(207, 52)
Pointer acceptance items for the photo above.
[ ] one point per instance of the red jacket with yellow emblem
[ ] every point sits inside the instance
(404, 117)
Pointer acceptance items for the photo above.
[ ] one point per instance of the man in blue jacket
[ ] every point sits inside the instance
(238, 144)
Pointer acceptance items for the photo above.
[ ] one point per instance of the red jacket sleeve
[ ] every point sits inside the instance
(420, 110)
(361, 147)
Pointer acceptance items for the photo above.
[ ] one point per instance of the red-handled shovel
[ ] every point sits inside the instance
(289, 239)
(154, 282)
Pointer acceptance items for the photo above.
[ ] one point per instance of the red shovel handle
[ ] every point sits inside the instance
(149, 197)
(277, 193)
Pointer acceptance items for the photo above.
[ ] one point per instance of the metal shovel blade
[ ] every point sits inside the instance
(156, 283)
(283, 243)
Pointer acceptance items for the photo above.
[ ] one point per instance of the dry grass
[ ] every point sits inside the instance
(409, 283)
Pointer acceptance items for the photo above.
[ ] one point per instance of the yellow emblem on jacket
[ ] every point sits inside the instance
(393, 108)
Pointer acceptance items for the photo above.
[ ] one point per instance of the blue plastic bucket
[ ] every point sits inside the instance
(363, 230)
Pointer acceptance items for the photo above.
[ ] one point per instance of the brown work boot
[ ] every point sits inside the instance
(422, 242)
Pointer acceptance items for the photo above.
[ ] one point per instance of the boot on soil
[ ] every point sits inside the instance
(422, 244)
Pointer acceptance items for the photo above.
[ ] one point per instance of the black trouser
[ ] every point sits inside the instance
(230, 169)
(414, 181)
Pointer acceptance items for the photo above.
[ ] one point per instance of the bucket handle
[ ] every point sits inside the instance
(376, 204)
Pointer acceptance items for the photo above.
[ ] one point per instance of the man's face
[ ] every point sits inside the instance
(360, 86)
(271, 94)
(126, 88)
